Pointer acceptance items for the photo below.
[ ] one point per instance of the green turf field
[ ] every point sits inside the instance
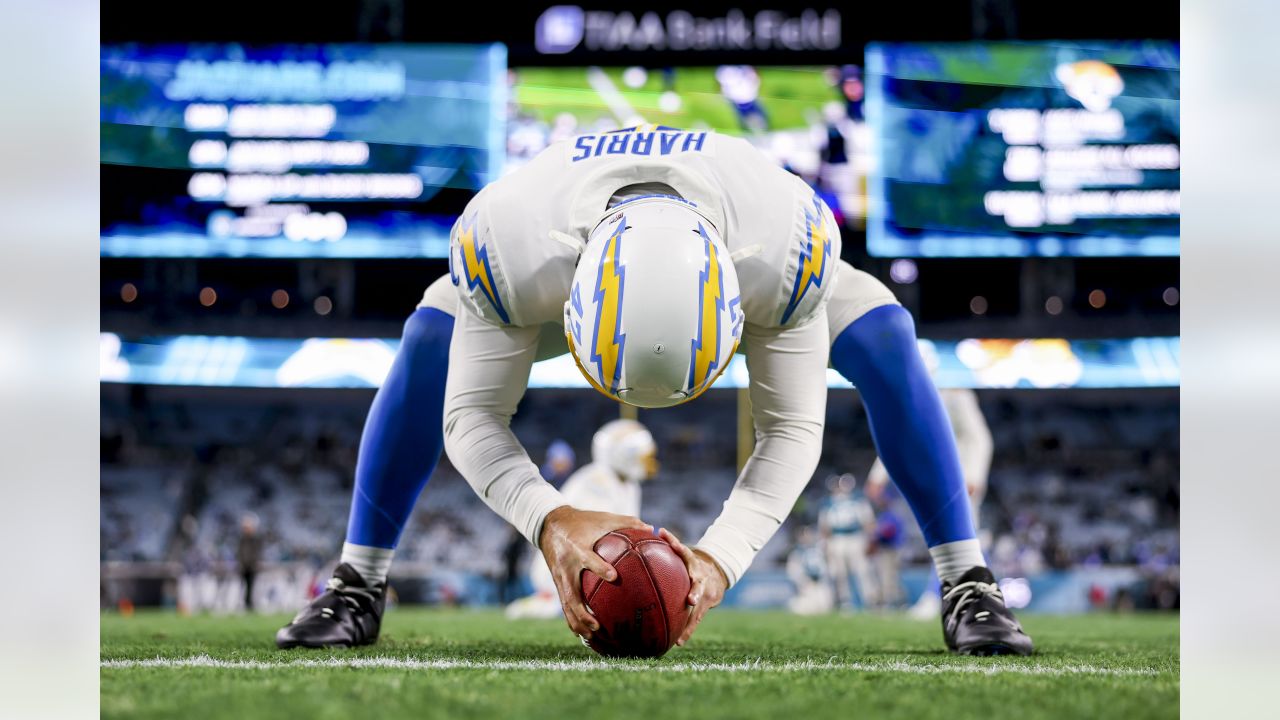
(793, 96)
(473, 664)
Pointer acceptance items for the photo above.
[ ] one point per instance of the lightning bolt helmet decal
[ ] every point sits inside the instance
(705, 349)
(653, 314)
(608, 339)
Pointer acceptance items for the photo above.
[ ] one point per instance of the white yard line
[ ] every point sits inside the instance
(758, 666)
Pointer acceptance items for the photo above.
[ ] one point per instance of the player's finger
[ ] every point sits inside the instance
(681, 549)
(689, 625)
(673, 541)
(578, 604)
(596, 564)
(571, 617)
(586, 621)
(575, 613)
(695, 617)
(571, 620)
(586, 616)
(699, 584)
(695, 591)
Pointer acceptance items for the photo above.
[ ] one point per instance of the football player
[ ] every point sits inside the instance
(623, 455)
(846, 521)
(807, 571)
(651, 255)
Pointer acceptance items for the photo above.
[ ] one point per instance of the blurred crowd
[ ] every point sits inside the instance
(1071, 486)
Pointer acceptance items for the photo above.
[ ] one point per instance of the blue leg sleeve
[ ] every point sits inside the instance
(404, 433)
(878, 354)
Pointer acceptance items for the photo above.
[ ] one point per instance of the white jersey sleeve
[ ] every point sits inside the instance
(488, 373)
(788, 394)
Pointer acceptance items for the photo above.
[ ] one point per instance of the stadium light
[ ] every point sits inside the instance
(904, 271)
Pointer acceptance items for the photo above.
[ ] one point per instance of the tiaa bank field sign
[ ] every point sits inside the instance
(565, 28)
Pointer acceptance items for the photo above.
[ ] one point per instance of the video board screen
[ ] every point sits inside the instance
(1012, 149)
(807, 118)
(318, 150)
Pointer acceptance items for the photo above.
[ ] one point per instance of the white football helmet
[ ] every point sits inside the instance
(626, 448)
(654, 313)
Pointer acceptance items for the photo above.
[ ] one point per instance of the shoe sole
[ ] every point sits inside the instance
(309, 646)
(291, 644)
(991, 649)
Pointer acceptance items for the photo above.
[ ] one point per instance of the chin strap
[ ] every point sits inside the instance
(746, 252)
(568, 241)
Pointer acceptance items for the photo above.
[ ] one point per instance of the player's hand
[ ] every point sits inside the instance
(709, 583)
(568, 543)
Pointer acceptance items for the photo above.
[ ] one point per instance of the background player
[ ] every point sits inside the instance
(846, 521)
(654, 253)
(807, 570)
(740, 85)
(623, 455)
(886, 551)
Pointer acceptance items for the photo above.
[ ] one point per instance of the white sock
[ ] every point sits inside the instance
(954, 559)
(371, 562)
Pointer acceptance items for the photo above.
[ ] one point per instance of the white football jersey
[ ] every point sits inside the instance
(512, 273)
(596, 487)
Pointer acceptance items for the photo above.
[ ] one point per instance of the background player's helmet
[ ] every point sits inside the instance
(841, 484)
(654, 314)
(627, 448)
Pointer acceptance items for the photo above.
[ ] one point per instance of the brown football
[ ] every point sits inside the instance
(642, 612)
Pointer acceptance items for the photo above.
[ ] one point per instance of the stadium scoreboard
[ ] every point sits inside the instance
(1014, 149)
(941, 150)
(297, 150)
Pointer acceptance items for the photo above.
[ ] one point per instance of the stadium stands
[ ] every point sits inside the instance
(1073, 484)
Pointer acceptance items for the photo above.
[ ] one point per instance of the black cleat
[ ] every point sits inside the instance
(975, 620)
(349, 613)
